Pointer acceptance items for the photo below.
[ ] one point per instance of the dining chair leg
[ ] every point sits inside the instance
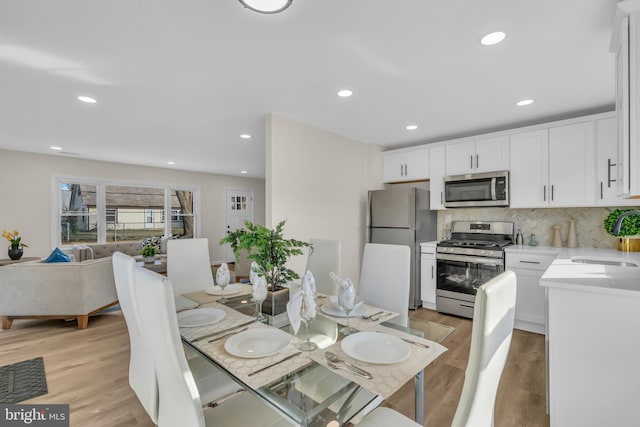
(419, 396)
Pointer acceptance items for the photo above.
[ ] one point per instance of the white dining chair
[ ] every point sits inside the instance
(493, 319)
(142, 376)
(212, 383)
(188, 268)
(322, 260)
(179, 401)
(385, 278)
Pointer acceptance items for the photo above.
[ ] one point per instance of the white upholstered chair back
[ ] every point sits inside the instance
(493, 320)
(179, 399)
(142, 376)
(189, 265)
(385, 278)
(324, 259)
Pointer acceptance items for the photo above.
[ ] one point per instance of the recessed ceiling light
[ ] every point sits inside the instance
(411, 127)
(344, 93)
(493, 38)
(56, 148)
(87, 99)
(524, 102)
(243, 172)
(245, 136)
(171, 163)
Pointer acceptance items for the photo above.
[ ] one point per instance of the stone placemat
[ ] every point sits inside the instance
(232, 318)
(203, 297)
(22, 380)
(241, 367)
(357, 321)
(387, 378)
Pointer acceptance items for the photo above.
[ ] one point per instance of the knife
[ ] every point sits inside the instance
(223, 331)
(291, 356)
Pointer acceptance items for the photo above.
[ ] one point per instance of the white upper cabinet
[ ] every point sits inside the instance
(402, 166)
(529, 173)
(607, 170)
(572, 176)
(478, 155)
(554, 167)
(625, 44)
(436, 178)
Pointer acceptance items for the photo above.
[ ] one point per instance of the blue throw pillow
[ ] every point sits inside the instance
(58, 255)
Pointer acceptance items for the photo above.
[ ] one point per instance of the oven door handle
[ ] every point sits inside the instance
(471, 259)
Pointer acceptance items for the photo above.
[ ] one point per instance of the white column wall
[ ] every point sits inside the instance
(318, 182)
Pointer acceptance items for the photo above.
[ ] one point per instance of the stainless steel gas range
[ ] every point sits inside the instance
(472, 256)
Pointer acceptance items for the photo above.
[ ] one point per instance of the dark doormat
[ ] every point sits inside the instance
(22, 381)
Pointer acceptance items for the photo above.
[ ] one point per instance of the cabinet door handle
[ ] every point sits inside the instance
(405, 169)
(601, 185)
(477, 161)
(471, 158)
(552, 193)
(432, 271)
(401, 170)
(609, 166)
(441, 198)
(544, 193)
(530, 262)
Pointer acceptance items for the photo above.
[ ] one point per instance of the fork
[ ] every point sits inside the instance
(369, 316)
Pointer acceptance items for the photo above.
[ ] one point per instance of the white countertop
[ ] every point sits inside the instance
(592, 277)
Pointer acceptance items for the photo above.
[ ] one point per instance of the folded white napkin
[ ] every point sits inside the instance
(302, 303)
(222, 275)
(253, 272)
(259, 288)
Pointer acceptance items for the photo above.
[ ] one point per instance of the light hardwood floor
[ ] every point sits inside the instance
(88, 369)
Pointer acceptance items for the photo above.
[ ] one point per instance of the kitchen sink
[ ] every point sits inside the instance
(605, 261)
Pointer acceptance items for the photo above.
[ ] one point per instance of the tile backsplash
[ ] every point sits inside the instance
(589, 223)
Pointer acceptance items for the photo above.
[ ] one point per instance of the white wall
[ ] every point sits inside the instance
(318, 182)
(26, 198)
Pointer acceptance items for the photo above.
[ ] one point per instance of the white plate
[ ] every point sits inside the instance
(200, 317)
(258, 342)
(375, 347)
(334, 310)
(229, 290)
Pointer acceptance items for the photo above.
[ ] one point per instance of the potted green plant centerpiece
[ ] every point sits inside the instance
(149, 252)
(270, 251)
(629, 229)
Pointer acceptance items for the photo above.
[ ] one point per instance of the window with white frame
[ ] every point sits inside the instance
(98, 212)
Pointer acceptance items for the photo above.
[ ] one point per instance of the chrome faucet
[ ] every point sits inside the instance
(618, 224)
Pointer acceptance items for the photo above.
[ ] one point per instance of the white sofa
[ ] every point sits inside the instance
(56, 290)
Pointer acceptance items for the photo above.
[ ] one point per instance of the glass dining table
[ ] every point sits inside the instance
(302, 385)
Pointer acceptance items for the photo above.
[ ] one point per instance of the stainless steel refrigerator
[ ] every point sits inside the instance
(401, 216)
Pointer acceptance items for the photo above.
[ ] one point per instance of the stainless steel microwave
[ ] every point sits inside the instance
(477, 189)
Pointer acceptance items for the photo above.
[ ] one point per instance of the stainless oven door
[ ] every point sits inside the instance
(463, 274)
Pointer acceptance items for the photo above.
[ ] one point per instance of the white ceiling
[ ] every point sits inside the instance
(181, 80)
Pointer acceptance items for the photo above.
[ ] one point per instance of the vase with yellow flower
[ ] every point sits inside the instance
(15, 248)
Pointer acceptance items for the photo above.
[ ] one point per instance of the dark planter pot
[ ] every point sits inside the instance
(15, 252)
(276, 302)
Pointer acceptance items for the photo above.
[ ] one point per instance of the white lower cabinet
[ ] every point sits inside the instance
(529, 267)
(594, 376)
(428, 275)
